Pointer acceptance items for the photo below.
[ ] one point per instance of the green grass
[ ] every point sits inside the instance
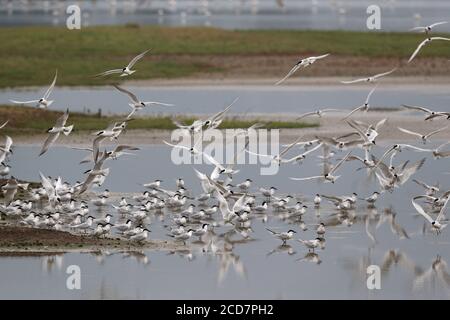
(27, 121)
(29, 55)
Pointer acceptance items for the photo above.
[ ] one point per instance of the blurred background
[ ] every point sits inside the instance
(397, 15)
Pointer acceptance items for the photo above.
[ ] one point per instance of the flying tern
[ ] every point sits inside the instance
(371, 78)
(53, 133)
(42, 102)
(126, 71)
(303, 63)
(423, 43)
(137, 104)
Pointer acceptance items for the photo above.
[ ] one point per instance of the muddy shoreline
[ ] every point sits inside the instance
(19, 241)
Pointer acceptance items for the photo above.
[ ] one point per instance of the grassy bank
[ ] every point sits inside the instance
(29, 55)
(27, 121)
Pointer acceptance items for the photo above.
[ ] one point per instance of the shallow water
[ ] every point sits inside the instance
(398, 15)
(252, 99)
(249, 271)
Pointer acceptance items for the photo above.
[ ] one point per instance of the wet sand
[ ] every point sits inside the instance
(23, 240)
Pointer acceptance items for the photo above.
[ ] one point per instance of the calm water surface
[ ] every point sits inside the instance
(258, 268)
(252, 99)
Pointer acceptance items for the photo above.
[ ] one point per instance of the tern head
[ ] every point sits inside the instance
(205, 226)
(322, 224)
(292, 231)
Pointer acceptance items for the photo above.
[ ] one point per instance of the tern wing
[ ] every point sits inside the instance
(129, 93)
(352, 112)
(440, 38)
(417, 28)
(339, 163)
(437, 24)
(239, 203)
(306, 115)
(61, 121)
(290, 73)
(426, 110)
(420, 210)
(321, 57)
(354, 81)
(370, 93)
(410, 132)
(408, 172)
(384, 74)
(135, 59)
(417, 50)
(176, 146)
(436, 131)
(305, 179)
(24, 102)
(420, 183)
(258, 154)
(49, 90)
(125, 147)
(96, 147)
(107, 73)
(4, 124)
(159, 103)
(289, 147)
(52, 137)
(442, 212)
(213, 161)
(380, 124)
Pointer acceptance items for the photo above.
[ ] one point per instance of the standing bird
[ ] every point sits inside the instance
(55, 131)
(283, 236)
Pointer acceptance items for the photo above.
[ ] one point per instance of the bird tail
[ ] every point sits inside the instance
(68, 130)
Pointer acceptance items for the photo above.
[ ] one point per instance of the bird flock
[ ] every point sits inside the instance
(225, 204)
